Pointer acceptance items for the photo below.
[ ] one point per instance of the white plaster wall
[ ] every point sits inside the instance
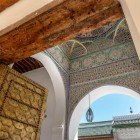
(128, 133)
(59, 88)
(76, 136)
(60, 100)
(42, 77)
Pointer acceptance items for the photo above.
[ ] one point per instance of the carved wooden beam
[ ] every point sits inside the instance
(6, 3)
(57, 25)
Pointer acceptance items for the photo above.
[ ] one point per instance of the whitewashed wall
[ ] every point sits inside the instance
(42, 77)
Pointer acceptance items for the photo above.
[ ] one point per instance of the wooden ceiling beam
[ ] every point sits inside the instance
(57, 25)
(6, 3)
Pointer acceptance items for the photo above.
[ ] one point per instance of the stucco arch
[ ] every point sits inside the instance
(95, 95)
(59, 107)
(59, 90)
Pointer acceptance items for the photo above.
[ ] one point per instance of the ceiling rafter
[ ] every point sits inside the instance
(59, 24)
(27, 65)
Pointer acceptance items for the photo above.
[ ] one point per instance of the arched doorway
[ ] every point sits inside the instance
(94, 95)
(58, 117)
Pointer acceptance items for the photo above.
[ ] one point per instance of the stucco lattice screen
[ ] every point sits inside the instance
(22, 106)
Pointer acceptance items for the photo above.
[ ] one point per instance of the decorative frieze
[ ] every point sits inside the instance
(77, 92)
(103, 57)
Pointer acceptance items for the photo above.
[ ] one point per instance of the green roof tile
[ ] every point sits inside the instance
(106, 127)
(95, 129)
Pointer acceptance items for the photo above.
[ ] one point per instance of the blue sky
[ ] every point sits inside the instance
(113, 105)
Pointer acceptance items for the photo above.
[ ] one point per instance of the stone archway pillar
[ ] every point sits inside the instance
(58, 133)
(131, 10)
(57, 127)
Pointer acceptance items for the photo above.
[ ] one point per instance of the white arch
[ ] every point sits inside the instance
(60, 101)
(95, 95)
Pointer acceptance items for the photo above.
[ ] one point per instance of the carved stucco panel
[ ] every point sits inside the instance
(22, 106)
(130, 80)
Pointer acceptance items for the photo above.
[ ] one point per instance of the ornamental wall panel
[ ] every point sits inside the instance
(22, 106)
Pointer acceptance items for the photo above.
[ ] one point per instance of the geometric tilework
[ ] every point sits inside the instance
(59, 57)
(103, 57)
(130, 80)
(105, 63)
(22, 105)
(109, 70)
(99, 39)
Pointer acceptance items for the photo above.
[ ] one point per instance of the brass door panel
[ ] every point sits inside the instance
(22, 106)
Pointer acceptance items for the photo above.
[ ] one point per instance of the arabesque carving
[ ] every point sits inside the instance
(22, 106)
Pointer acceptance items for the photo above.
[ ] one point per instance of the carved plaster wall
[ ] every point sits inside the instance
(22, 106)
(60, 58)
(106, 63)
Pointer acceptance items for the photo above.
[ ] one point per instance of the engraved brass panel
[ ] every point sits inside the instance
(22, 106)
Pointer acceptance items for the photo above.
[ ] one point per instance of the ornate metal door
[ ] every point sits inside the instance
(22, 105)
